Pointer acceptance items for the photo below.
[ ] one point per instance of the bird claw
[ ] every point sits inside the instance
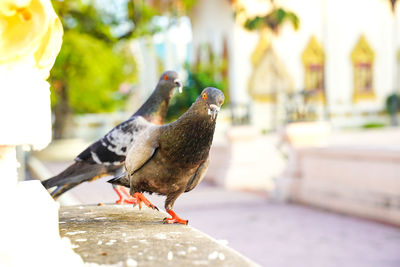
(151, 206)
(154, 207)
(141, 199)
(137, 199)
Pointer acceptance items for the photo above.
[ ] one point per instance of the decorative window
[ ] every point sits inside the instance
(363, 61)
(314, 75)
(269, 77)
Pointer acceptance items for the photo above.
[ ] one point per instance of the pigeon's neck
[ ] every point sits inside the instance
(188, 140)
(156, 106)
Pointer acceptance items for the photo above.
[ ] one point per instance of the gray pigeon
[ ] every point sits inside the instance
(172, 159)
(107, 155)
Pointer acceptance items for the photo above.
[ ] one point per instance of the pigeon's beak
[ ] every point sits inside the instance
(213, 111)
(178, 84)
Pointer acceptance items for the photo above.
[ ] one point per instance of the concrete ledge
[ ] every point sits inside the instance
(125, 236)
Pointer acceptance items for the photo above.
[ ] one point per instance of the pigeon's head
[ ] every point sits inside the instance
(214, 99)
(169, 80)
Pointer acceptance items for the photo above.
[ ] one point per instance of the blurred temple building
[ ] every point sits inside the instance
(340, 65)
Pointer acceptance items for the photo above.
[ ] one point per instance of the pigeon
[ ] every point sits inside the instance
(172, 159)
(107, 155)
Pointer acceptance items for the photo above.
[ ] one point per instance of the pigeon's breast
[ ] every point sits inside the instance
(161, 176)
(188, 145)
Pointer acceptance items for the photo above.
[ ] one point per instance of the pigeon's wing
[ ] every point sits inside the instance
(112, 148)
(198, 175)
(142, 149)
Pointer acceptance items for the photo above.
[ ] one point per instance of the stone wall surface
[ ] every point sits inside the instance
(124, 236)
(358, 181)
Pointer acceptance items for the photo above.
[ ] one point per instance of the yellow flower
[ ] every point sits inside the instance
(30, 31)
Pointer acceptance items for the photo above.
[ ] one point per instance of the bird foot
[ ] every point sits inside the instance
(124, 196)
(142, 199)
(175, 219)
(130, 200)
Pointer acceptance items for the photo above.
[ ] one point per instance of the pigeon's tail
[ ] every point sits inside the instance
(75, 174)
(121, 179)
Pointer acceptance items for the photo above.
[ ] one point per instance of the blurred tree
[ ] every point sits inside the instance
(86, 77)
(91, 64)
(93, 61)
(273, 20)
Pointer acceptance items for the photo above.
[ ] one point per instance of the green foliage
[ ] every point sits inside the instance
(141, 15)
(113, 20)
(188, 4)
(92, 62)
(91, 71)
(393, 104)
(85, 17)
(199, 78)
(393, 107)
(254, 23)
(273, 20)
(373, 125)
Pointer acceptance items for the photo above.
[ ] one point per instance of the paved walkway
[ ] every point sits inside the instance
(274, 234)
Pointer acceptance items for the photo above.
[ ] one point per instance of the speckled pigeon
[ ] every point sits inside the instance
(107, 155)
(172, 159)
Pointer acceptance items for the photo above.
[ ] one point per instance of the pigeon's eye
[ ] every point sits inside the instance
(165, 77)
(204, 96)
